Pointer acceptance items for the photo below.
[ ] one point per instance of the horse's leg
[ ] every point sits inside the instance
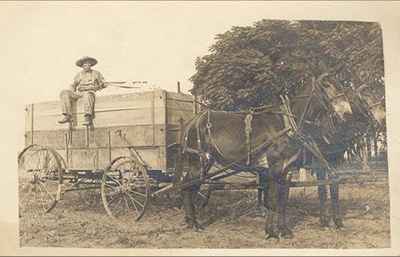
(322, 194)
(260, 191)
(209, 163)
(272, 228)
(334, 191)
(266, 194)
(187, 192)
(283, 201)
(190, 213)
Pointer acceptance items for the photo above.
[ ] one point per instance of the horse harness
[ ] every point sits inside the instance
(291, 129)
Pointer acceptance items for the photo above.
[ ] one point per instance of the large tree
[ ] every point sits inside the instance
(250, 66)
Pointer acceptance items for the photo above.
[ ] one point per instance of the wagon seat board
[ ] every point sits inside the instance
(148, 120)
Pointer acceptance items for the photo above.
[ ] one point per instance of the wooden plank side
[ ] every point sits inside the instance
(52, 138)
(138, 136)
(175, 115)
(134, 100)
(134, 135)
(179, 106)
(151, 156)
(179, 96)
(103, 119)
(159, 106)
(98, 158)
(86, 159)
(115, 110)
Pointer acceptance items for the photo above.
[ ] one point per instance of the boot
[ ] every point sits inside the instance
(88, 120)
(67, 118)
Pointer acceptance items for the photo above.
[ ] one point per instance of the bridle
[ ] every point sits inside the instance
(321, 97)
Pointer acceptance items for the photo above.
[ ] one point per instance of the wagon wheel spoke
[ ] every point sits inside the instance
(113, 179)
(40, 196)
(136, 201)
(137, 193)
(129, 180)
(134, 204)
(118, 204)
(126, 203)
(47, 191)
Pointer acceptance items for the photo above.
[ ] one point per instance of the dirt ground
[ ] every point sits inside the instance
(229, 220)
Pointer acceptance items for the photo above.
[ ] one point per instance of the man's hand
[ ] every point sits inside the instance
(83, 88)
(104, 85)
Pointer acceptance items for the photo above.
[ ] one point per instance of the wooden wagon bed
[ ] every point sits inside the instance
(147, 120)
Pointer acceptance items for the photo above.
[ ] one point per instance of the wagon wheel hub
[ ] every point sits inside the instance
(125, 187)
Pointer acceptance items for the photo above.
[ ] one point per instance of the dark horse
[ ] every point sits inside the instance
(241, 139)
(333, 141)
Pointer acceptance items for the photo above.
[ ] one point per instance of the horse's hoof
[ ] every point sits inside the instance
(272, 233)
(339, 224)
(198, 229)
(188, 226)
(270, 236)
(324, 224)
(261, 211)
(193, 226)
(286, 233)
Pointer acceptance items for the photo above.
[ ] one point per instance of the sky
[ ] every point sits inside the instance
(157, 43)
(153, 41)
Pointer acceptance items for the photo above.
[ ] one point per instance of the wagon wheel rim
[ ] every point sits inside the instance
(125, 188)
(40, 171)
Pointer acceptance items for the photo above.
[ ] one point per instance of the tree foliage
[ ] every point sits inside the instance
(250, 66)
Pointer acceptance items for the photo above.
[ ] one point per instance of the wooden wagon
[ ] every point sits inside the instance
(130, 154)
(126, 154)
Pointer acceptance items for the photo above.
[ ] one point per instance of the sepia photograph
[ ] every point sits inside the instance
(167, 125)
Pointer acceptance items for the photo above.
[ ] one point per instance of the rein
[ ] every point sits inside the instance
(290, 128)
(306, 108)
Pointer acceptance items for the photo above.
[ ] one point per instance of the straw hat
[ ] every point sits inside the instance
(86, 59)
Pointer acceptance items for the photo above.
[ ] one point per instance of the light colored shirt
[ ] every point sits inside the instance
(91, 78)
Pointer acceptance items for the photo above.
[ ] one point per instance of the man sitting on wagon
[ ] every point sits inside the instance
(85, 84)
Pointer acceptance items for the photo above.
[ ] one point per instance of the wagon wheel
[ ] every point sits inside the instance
(40, 173)
(125, 188)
